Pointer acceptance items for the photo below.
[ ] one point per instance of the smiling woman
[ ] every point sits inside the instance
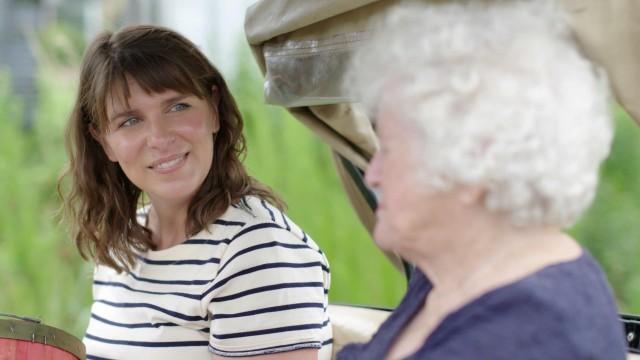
(204, 267)
(163, 143)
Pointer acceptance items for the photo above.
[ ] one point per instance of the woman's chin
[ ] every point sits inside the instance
(383, 237)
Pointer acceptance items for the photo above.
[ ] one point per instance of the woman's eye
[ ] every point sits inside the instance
(130, 122)
(179, 107)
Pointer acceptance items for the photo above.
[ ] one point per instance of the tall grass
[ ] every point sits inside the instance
(40, 274)
(610, 229)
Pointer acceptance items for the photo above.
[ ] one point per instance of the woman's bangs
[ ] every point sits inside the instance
(154, 75)
(158, 74)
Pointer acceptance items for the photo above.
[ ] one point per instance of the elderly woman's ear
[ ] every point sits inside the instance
(471, 194)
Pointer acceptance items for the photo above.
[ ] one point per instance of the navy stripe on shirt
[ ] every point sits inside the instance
(144, 215)
(300, 345)
(268, 310)
(264, 205)
(93, 357)
(262, 246)
(154, 307)
(217, 284)
(147, 343)
(268, 288)
(132, 325)
(246, 203)
(256, 227)
(270, 331)
(284, 219)
(171, 282)
(180, 262)
(263, 267)
(139, 325)
(228, 222)
(127, 287)
(206, 242)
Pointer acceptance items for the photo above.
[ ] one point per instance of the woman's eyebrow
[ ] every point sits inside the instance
(174, 99)
(166, 102)
(124, 113)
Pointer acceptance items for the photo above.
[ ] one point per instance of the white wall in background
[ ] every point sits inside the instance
(215, 26)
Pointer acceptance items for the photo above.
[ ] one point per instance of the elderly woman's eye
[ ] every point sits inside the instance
(179, 107)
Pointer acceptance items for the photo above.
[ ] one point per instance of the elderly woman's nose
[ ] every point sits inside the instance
(372, 175)
(159, 133)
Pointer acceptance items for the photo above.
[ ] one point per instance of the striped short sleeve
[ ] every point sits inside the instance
(269, 294)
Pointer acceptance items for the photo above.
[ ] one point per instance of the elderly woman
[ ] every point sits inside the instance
(492, 129)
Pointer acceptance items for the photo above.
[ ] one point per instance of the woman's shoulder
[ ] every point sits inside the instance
(562, 290)
(574, 285)
(260, 236)
(563, 309)
(252, 210)
(257, 219)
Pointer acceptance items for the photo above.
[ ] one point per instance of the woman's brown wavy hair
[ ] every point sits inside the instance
(100, 201)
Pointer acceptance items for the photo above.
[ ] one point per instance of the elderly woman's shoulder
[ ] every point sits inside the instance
(563, 311)
(569, 287)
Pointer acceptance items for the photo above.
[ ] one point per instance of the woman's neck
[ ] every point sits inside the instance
(472, 261)
(487, 254)
(167, 224)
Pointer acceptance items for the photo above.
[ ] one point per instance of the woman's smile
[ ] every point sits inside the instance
(169, 164)
(162, 141)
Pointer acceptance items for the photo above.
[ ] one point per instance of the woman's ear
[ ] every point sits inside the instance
(471, 195)
(99, 137)
(215, 106)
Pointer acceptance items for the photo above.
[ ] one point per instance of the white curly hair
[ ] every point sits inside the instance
(503, 98)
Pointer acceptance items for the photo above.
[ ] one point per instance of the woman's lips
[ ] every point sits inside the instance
(169, 164)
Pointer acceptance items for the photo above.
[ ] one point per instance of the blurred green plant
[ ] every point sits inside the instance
(58, 44)
(39, 270)
(610, 229)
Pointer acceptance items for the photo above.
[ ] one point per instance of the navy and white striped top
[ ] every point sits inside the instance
(252, 283)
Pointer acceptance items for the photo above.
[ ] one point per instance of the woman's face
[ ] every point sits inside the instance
(408, 208)
(162, 141)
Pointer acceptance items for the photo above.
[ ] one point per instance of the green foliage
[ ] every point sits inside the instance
(610, 229)
(58, 44)
(40, 272)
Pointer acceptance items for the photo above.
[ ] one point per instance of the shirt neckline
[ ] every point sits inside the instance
(421, 286)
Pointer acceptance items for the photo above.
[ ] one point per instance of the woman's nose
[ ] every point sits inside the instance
(372, 175)
(160, 133)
